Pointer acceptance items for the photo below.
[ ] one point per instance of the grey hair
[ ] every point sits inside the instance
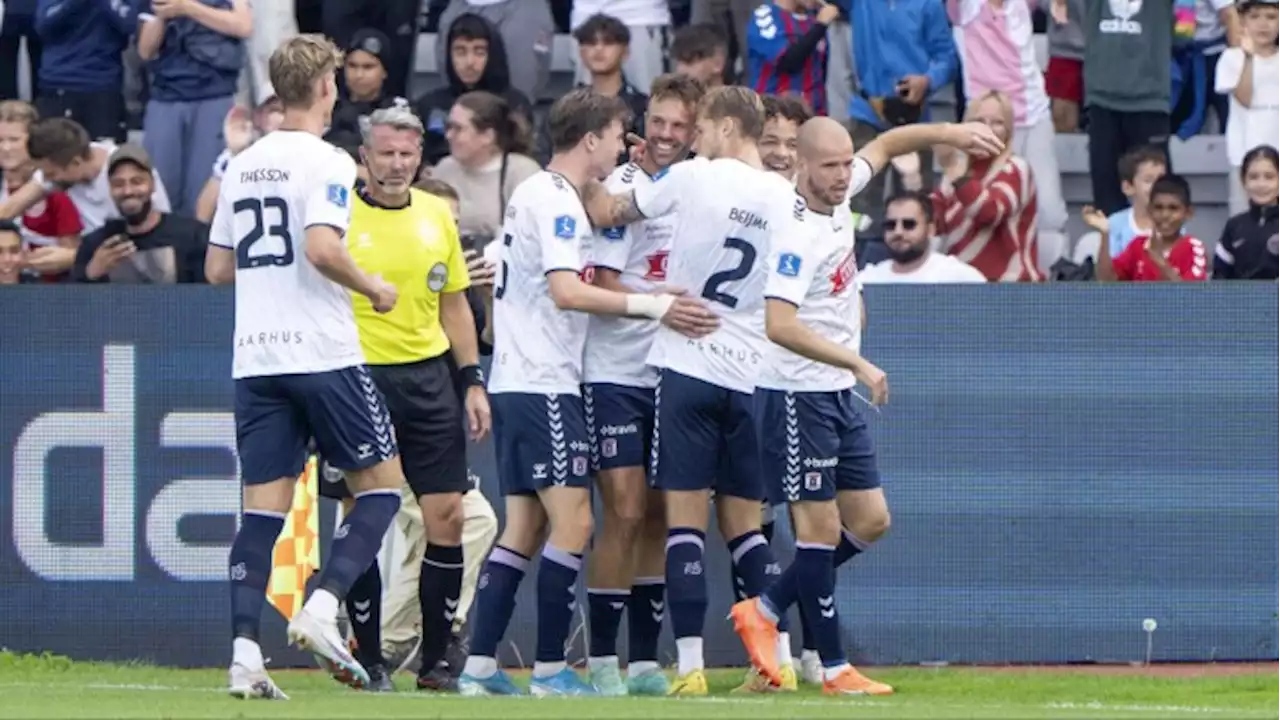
(398, 117)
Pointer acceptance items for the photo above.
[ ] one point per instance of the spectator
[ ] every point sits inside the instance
(13, 255)
(603, 43)
(144, 246)
(81, 72)
(783, 116)
(67, 161)
(1064, 76)
(648, 24)
(1126, 85)
(363, 90)
(1168, 253)
(903, 52)
(50, 229)
(1216, 27)
(840, 75)
(729, 18)
(195, 52)
(701, 52)
(527, 31)
(395, 20)
(994, 39)
(909, 236)
(986, 207)
(487, 159)
(19, 25)
(1249, 244)
(241, 129)
(787, 50)
(1250, 74)
(1139, 169)
(477, 60)
(273, 23)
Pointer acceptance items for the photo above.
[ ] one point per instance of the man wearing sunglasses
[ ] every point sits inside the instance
(908, 234)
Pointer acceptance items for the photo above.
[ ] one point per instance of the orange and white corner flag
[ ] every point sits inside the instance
(297, 552)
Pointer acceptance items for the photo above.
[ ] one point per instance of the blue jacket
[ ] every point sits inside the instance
(895, 38)
(196, 63)
(83, 40)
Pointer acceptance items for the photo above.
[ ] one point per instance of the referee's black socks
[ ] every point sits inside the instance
(364, 610)
(439, 588)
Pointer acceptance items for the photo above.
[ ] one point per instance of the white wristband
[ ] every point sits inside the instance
(650, 306)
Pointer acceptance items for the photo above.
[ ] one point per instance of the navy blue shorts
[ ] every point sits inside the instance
(813, 445)
(277, 415)
(620, 420)
(704, 438)
(540, 441)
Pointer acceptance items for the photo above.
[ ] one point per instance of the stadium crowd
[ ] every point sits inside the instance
(194, 73)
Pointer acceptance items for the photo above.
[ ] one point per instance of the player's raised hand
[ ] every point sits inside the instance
(384, 295)
(690, 317)
(975, 139)
(479, 417)
(875, 380)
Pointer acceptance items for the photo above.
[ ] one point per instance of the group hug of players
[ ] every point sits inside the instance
(685, 333)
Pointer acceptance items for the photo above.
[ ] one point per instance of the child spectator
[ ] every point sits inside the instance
(1168, 253)
(787, 50)
(1251, 75)
(1139, 170)
(13, 256)
(1249, 244)
(701, 52)
(50, 229)
(648, 24)
(603, 47)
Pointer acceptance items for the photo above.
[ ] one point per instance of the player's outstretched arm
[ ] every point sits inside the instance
(608, 210)
(328, 253)
(783, 326)
(684, 315)
(973, 138)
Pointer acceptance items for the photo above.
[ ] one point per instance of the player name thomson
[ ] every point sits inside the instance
(264, 175)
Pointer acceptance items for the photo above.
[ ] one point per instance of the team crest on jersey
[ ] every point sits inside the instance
(609, 447)
(657, 266)
(437, 277)
(566, 227)
(844, 274)
(789, 264)
(813, 481)
(579, 466)
(338, 195)
(615, 233)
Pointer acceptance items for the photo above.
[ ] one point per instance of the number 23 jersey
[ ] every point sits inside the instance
(726, 212)
(290, 319)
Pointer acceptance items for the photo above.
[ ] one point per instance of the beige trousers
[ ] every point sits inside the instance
(401, 615)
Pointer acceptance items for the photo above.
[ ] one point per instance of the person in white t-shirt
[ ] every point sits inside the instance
(909, 237)
(540, 319)
(298, 366)
(815, 444)
(1250, 74)
(66, 160)
(649, 22)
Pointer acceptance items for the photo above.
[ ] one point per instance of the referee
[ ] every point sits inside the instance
(409, 238)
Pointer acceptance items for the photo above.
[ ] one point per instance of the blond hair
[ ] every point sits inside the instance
(17, 111)
(297, 64)
(737, 103)
(1006, 108)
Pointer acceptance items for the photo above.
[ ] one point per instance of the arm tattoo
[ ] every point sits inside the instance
(624, 209)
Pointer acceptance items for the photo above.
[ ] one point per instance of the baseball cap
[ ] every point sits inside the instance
(129, 152)
(374, 42)
(1242, 5)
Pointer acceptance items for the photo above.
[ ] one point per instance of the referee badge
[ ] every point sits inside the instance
(438, 276)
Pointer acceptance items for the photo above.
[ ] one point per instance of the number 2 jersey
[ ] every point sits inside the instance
(618, 347)
(726, 213)
(537, 347)
(290, 319)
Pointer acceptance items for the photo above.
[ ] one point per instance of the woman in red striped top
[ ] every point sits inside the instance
(986, 208)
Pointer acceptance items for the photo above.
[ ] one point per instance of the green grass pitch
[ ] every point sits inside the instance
(54, 687)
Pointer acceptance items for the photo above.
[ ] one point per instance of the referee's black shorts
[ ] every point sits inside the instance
(426, 413)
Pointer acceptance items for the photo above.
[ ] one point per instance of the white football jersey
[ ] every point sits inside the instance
(817, 271)
(618, 347)
(290, 319)
(537, 347)
(726, 212)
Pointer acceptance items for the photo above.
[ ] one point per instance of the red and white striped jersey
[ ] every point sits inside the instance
(989, 221)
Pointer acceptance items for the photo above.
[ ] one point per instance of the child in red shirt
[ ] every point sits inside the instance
(1166, 254)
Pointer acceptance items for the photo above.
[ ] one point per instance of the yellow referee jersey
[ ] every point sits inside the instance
(415, 248)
